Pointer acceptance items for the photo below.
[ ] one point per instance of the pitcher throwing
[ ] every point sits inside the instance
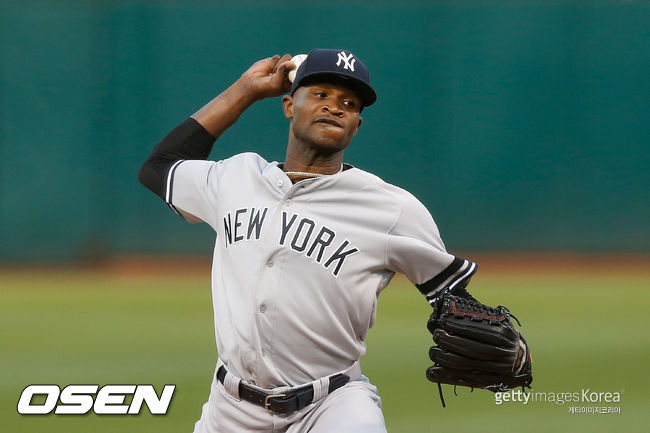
(303, 249)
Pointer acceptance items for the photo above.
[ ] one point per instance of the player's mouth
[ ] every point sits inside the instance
(329, 121)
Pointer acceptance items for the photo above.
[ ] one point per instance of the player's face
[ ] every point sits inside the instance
(324, 115)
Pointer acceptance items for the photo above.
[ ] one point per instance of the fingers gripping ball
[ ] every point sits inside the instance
(477, 346)
(297, 60)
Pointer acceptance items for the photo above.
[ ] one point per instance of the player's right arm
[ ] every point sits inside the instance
(193, 139)
(267, 78)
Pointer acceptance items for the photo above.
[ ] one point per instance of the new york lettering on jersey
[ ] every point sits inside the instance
(232, 224)
(301, 234)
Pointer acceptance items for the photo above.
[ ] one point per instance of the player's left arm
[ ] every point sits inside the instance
(477, 345)
(415, 249)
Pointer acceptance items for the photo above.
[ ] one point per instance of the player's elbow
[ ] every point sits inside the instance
(151, 177)
(144, 174)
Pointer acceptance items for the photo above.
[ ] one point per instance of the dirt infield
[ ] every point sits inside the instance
(558, 263)
(489, 263)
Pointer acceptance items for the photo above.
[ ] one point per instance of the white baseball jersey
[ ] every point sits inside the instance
(297, 268)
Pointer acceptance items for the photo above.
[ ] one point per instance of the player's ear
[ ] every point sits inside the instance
(287, 106)
(358, 126)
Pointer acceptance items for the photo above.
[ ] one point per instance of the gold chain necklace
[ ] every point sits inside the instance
(307, 174)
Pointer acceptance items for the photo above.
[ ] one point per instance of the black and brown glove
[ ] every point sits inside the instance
(477, 346)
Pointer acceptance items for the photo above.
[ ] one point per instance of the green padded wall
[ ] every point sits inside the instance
(521, 125)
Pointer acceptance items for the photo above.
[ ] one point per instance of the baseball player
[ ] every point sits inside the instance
(303, 249)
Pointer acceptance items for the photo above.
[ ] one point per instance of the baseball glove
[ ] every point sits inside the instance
(477, 346)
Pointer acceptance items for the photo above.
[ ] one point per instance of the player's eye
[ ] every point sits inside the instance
(321, 95)
(350, 103)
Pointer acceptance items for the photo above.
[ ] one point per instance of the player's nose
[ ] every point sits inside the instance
(332, 108)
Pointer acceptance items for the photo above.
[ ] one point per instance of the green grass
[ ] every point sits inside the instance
(79, 327)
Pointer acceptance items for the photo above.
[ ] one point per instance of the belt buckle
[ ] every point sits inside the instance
(267, 403)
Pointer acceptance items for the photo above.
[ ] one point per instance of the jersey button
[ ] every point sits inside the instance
(279, 183)
(262, 308)
(269, 263)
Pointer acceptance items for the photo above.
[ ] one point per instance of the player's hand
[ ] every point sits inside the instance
(268, 77)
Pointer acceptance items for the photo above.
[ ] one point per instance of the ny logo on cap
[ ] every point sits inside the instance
(347, 59)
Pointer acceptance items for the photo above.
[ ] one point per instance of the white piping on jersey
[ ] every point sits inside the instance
(469, 272)
(169, 180)
(168, 188)
(456, 278)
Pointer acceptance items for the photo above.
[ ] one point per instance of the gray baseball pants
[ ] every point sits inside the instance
(353, 408)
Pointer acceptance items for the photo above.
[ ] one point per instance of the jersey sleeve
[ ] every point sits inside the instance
(191, 186)
(415, 249)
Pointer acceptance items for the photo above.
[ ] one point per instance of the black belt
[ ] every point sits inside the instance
(291, 401)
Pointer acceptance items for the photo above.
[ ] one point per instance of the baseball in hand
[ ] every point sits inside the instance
(297, 59)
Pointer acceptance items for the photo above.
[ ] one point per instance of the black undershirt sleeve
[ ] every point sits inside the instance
(189, 140)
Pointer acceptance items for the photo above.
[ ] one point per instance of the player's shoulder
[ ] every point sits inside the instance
(250, 161)
(246, 158)
(409, 212)
(389, 190)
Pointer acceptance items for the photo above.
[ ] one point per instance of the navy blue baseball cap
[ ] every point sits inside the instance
(331, 65)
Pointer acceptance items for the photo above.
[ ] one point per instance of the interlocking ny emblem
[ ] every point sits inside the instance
(347, 59)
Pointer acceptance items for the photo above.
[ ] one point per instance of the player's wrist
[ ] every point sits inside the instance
(224, 110)
(242, 94)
